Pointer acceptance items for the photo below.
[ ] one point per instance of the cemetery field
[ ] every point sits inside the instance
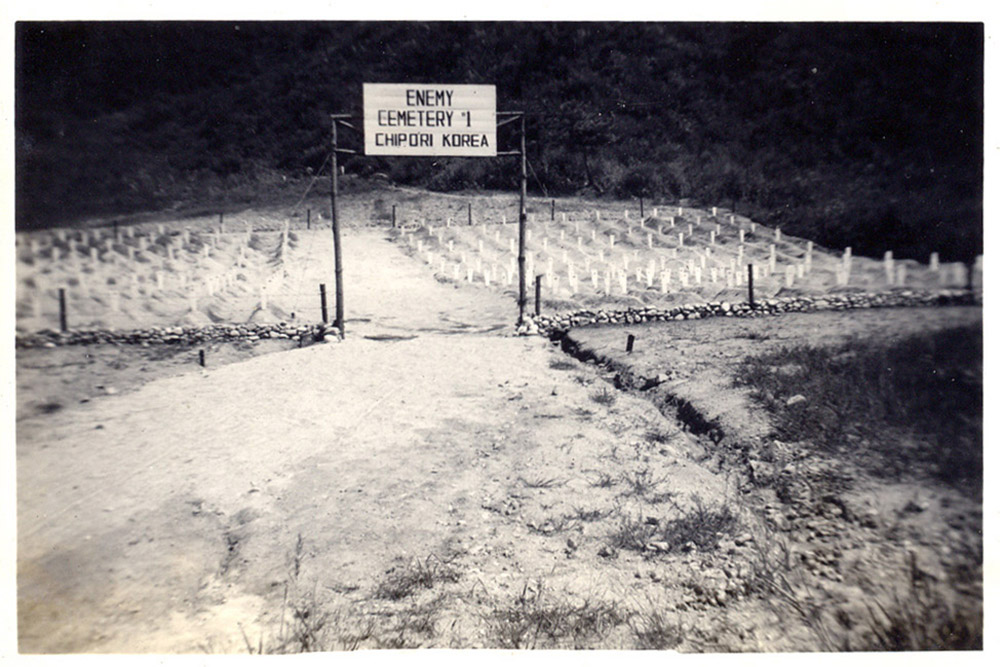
(433, 479)
(266, 266)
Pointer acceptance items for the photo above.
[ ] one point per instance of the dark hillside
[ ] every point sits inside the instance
(867, 135)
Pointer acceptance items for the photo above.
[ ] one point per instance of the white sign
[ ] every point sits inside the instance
(430, 119)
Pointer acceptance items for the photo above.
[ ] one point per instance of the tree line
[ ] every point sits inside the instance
(868, 135)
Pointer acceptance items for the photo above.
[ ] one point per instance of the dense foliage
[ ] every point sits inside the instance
(867, 135)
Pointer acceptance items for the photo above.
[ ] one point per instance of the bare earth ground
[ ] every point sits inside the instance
(199, 510)
(846, 525)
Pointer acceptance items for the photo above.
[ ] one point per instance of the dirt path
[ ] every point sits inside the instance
(387, 292)
(166, 519)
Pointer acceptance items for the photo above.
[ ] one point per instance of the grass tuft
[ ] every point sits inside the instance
(532, 621)
(542, 482)
(604, 397)
(403, 581)
(700, 526)
(656, 631)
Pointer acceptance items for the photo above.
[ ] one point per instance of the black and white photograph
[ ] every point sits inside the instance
(374, 333)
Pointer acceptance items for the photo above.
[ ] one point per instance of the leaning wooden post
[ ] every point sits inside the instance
(201, 358)
(322, 301)
(470, 213)
(337, 258)
(553, 209)
(642, 212)
(393, 216)
(308, 218)
(62, 309)
(750, 283)
(538, 295)
(629, 342)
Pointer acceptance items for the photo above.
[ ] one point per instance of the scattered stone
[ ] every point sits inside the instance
(795, 400)
(915, 507)
(607, 552)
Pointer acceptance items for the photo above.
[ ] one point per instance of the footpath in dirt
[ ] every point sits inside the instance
(430, 473)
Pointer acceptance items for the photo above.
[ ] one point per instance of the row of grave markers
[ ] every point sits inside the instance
(792, 272)
(136, 285)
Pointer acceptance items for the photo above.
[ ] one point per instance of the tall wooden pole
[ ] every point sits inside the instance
(522, 298)
(338, 263)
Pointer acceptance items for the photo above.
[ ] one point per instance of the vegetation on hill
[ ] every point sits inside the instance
(869, 135)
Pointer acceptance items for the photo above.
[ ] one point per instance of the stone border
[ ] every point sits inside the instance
(552, 326)
(555, 325)
(178, 335)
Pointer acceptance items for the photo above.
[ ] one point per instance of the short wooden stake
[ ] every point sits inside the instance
(629, 342)
(322, 302)
(750, 283)
(201, 358)
(309, 219)
(538, 295)
(62, 309)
